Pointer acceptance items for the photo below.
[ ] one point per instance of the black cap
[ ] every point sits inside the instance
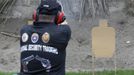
(49, 7)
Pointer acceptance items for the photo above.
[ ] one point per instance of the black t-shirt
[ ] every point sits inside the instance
(43, 47)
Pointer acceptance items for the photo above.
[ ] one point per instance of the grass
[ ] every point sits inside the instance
(119, 72)
(2, 73)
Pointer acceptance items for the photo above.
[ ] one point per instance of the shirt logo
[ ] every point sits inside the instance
(35, 37)
(36, 47)
(24, 37)
(46, 37)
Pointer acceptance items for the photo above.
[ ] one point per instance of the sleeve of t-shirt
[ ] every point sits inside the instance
(67, 30)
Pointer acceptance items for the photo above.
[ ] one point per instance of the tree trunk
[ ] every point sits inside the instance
(95, 8)
(129, 7)
(85, 8)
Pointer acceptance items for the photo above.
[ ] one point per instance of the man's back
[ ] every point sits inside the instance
(43, 48)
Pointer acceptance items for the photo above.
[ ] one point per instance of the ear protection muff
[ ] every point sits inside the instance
(35, 15)
(60, 17)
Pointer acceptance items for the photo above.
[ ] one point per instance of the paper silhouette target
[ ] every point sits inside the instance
(103, 40)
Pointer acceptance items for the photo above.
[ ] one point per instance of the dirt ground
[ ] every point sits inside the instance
(79, 56)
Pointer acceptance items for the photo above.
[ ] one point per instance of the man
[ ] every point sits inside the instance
(43, 44)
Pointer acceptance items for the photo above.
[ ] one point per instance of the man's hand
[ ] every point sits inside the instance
(64, 23)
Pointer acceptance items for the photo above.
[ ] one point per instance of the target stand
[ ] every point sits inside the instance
(103, 43)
